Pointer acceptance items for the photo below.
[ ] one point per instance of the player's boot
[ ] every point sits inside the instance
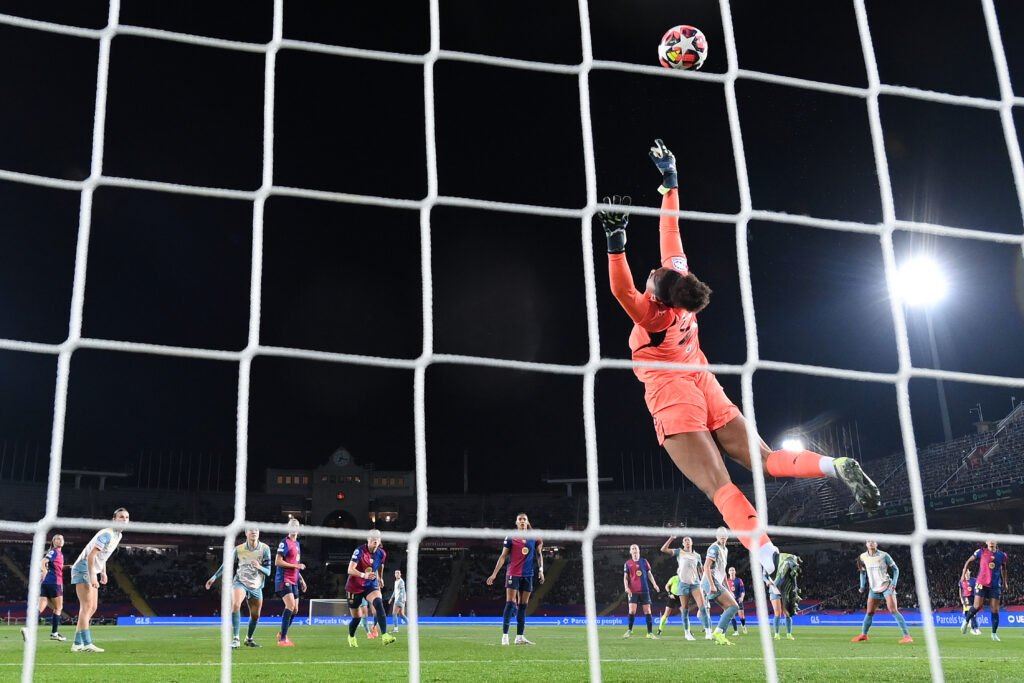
(776, 637)
(975, 631)
(235, 643)
(651, 636)
(76, 647)
(57, 636)
(707, 634)
(789, 636)
(720, 639)
(521, 640)
(249, 642)
(627, 634)
(906, 639)
(388, 638)
(963, 626)
(24, 634)
(863, 489)
(285, 642)
(504, 639)
(689, 636)
(859, 639)
(996, 638)
(744, 630)
(376, 633)
(353, 642)
(659, 632)
(89, 647)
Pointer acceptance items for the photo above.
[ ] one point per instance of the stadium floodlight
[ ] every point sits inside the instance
(921, 282)
(792, 444)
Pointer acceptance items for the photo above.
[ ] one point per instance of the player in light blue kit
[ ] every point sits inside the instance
(398, 600)
(874, 566)
(714, 584)
(253, 561)
(87, 574)
(687, 586)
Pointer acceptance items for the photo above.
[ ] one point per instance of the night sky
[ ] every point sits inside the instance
(175, 269)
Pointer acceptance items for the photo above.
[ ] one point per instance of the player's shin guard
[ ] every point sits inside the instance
(507, 616)
(901, 622)
(352, 626)
(521, 619)
(253, 621)
(800, 465)
(236, 623)
(789, 624)
(995, 621)
(382, 616)
(727, 616)
(286, 621)
(740, 516)
(866, 625)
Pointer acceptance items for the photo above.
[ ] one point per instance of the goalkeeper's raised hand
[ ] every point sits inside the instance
(666, 163)
(614, 221)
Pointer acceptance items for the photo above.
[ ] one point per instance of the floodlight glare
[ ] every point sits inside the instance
(792, 445)
(921, 282)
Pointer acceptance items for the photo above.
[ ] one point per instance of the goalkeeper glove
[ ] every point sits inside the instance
(614, 222)
(666, 163)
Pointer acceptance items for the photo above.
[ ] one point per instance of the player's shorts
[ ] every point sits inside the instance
(78, 572)
(687, 588)
(673, 601)
(283, 588)
(967, 600)
(399, 604)
(712, 593)
(250, 593)
(773, 592)
(51, 590)
(874, 595)
(689, 403)
(519, 583)
(988, 592)
(640, 598)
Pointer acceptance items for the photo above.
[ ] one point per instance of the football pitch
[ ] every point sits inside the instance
(473, 653)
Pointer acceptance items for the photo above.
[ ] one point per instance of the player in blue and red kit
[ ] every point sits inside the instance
(638, 579)
(288, 579)
(364, 582)
(989, 583)
(51, 590)
(739, 591)
(965, 589)
(521, 554)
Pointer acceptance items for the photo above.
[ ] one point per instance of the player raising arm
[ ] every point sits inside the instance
(693, 418)
(521, 554)
(638, 579)
(874, 566)
(687, 586)
(989, 584)
(364, 571)
(253, 561)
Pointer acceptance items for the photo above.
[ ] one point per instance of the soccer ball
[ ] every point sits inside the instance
(683, 47)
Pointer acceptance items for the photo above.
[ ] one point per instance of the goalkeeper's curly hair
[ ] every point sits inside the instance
(682, 291)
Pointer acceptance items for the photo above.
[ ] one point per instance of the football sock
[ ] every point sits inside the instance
(995, 621)
(86, 637)
(740, 516)
(78, 638)
(686, 620)
(352, 625)
(776, 624)
(648, 617)
(733, 624)
(382, 616)
(864, 627)
(789, 624)
(901, 622)
(743, 620)
(970, 615)
(632, 618)
(664, 618)
(507, 616)
(253, 621)
(54, 622)
(366, 623)
(236, 623)
(521, 619)
(727, 616)
(705, 618)
(801, 465)
(286, 621)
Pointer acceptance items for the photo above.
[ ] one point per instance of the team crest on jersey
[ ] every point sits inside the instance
(639, 573)
(991, 565)
(679, 263)
(526, 551)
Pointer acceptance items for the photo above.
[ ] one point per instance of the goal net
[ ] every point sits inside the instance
(583, 73)
(328, 611)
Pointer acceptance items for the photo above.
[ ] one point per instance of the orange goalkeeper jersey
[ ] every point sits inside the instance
(659, 333)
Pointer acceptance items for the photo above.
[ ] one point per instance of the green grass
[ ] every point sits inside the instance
(473, 653)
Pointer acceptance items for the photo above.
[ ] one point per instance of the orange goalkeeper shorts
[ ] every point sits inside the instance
(692, 402)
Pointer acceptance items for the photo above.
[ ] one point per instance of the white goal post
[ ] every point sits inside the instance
(327, 607)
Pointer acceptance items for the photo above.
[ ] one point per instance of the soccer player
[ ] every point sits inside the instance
(713, 584)
(775, 597)
(398, 600)
(364, 570)
(966, 593)
(693, 418)
(51, 589)
(253, 560)
(87, 573)
(687, 586)
(989, 583)
(638, 579)
(739, 591)
(521, 554)
(288, 579)
(874, 566)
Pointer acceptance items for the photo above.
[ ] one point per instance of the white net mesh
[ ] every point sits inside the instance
(587, 66)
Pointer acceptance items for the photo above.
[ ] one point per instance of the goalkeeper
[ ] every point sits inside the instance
(253, 560)
(693, 417)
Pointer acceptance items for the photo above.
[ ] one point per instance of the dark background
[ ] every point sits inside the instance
(175, 269)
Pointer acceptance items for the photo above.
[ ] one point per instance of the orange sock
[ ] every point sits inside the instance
(739, 514)
(799, 464)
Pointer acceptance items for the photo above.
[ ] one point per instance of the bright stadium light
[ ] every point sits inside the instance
(792, 444)
(921, 282)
